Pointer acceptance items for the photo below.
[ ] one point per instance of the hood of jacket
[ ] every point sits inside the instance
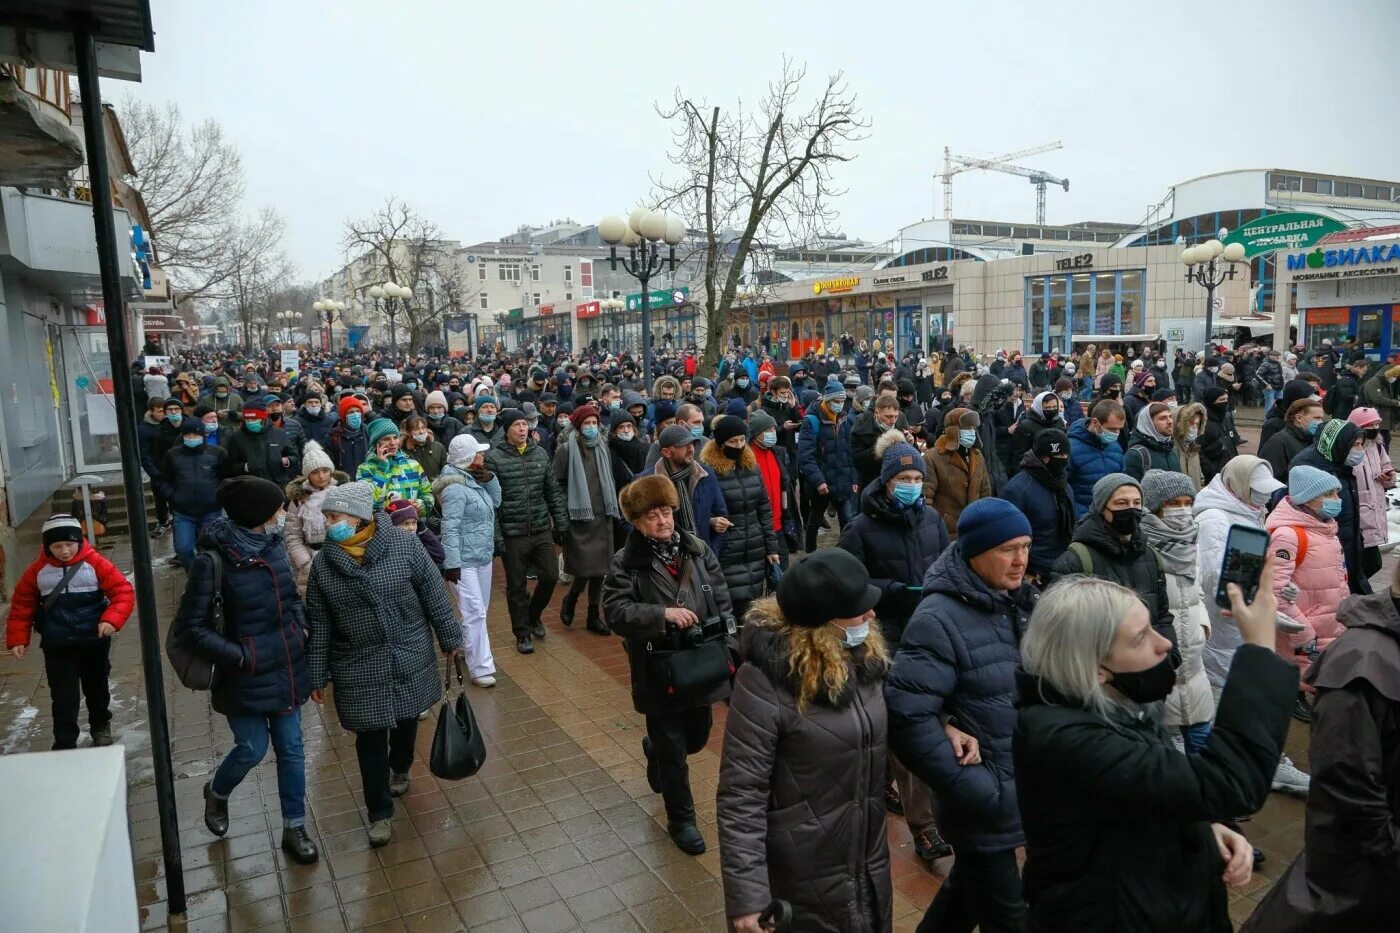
(1371, 654)
(951, 575)
(766, 642)
(451, 476)
(1216, 496)
(296, 490)
(1286, 514)
(1146, 431)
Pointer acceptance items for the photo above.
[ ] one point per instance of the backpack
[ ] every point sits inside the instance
(1086, 558)
(1302, 534)
(194, 671)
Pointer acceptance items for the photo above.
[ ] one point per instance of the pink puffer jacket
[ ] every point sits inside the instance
(1321, 578)
(1370, 494)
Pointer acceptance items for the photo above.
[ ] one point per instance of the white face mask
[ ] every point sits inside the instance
(626, 435)
(1177, 518)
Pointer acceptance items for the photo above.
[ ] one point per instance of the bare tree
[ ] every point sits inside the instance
(749, 180)
(257, 278)
(408, 249)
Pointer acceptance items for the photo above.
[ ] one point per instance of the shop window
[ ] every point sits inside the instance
(1104, 303)
(1056, 303)
(1322, 186)
(1368, 330)
(1079, 304)
(1035, 309)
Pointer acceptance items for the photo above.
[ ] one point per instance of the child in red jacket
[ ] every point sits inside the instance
(76, 599)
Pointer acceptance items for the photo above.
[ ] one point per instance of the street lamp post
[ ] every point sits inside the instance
(287, 317)
(326, 310)
(1204, 267)
(396, 298)
(639, 233)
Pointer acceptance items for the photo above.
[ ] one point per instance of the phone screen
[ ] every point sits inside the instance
(1246, 549)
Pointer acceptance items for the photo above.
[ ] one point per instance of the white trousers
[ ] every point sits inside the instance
(473, 597)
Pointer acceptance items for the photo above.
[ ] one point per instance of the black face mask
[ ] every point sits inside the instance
(733, 453)
(1050, 415)
(1125, 521)
(1057, 466)
(1111, 393)
(1372, 433)
(1147, 686)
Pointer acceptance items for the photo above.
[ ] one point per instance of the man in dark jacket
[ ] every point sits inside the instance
(781, 405)
(824, 462)
(1276, 418)
(349, 439)
(866, 430)
(259, 448)
(1205, 379)
(156, 433)
(1040, 491)
(533, 518)
(189, 479)
(898, 539)
(1109, 544)
(1305, 417)
(701, 509)
(656, 588)
(316, 421)
(953, 676)
(1347, 393)
(264, 676)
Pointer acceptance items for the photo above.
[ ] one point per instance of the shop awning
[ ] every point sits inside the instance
(1114, 338)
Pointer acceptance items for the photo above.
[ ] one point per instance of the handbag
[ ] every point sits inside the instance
(459, 750)
(699, 666)
(192, 670)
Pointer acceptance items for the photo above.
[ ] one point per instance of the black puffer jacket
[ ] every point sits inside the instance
(801, 811)
(530, 495)
(189, 478)
(744, 549)
(261, 454)
(1280, 449)
(261, 657)
(897, 545)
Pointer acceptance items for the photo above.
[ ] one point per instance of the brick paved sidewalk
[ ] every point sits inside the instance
(558, 832)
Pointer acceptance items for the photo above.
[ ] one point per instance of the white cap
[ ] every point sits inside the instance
(464, 448)
(1261, 480)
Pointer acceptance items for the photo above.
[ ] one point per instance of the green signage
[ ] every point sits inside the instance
(659, 298)
(1283, 231)
(515, 316)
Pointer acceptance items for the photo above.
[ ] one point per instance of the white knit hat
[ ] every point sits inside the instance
(314, 457)
(435, 397)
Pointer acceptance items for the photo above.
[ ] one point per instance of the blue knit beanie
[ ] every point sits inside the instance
(833, 390)
(989, 523)
(485, 400)
(898, 458)
(1307, 483)
(737, 408)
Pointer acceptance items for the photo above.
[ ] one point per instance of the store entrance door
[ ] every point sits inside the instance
(87, 373)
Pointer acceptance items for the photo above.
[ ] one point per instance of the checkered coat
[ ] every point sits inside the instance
(372, 628)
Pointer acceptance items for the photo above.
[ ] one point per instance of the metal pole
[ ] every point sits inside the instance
(644, 276)
(1209, 272)
(105, 228)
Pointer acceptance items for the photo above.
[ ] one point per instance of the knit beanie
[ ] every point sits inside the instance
(435, 397)
(581, 412)
(1160, 486)
(354, 499)
(190, 425)
(1050, 442)
(347, 403)
(737, 408)
(663, 410)
(898, 458)
(618, 417)
(1364, 417)
(1105, 487)
(485, 400)
(249, 501)
(727, 426)
(1307, 483)
(314, 457)
(402, 511)
(508, 417)
(399, 391)
(1296, 389)
(62, 527)
(833, 390)
(989, 523)
(379, 429)
(759, 422)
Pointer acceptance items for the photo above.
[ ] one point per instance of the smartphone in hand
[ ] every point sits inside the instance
(1246, 549)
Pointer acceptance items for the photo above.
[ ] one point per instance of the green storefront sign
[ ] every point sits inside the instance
(1283, 231)
(515, 316)
(659, 298)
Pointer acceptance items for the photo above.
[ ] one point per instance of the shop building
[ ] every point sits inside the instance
(1347, 286)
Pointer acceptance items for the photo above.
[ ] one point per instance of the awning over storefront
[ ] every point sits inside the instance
(1115, 338)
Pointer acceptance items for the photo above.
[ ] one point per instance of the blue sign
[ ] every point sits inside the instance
(82, 382)
(1351, 256)
(354, 334)
(141, 254)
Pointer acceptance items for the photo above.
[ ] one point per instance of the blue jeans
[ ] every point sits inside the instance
(187, 529)
(1270, 396)
(250, 736)
(1195, 736)
(1086, 388)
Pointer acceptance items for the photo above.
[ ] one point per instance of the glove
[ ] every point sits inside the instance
(1289, 593)
(559, 536)
(452, 575)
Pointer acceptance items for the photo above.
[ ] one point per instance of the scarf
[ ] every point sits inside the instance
(356, 543)
(251, 542)
(681, 479)
(580, 502)
(313, 520)
(668, 551)
(772, 482)
(1177, 548)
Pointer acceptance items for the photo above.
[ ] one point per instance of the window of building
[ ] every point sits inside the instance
(1322, 186)
(481, 271)
(568, 275)
(535, 298)
(1061, 307)
(535, 272)
(508, 273)
(484, 301)
(1378, 192)
(568, 296)
(1349, 190)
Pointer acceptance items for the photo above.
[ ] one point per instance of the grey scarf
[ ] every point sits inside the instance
(1176, 546)
(580, 502)
(681, 478)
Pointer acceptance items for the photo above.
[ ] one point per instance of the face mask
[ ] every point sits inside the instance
(411, 385)
(1057, 466)
(1173, 406)
(741, 383)
(339, 531)
(176, 417)
(1066, 396)
(626, 436)
(1330, 508)
(254, 425)
(1147, 686)
(1050, 413)
(193, 442)
(1161, 364)
(486, 419)
(211, 427)
(855, 636)
(770, 438)
(459, 410)
(1212, 370)
(1125, 521)
(1177, 518)
(532, 423)
(436, 418)
(1355, 457)
(1258, 498)
(907, 494)
(221, 393)
(1313, 427)
(280, 525)
(420, 437)
(733, 453)
(1372, 433)
(1191, 435)
(1107, 437)
(697, 431)
(590, 432)
(615, 404)
(562, 422)
(967, 437)
(313, 409)
(837, 406)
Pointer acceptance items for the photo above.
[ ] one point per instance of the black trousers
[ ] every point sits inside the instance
(162, 508)
(816, 510)
(73, 668)
(673, 737)
(983, 891)
(520, 554)
(380, 751)
(594, 585)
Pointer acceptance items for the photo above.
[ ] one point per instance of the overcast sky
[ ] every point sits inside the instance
(488, 115)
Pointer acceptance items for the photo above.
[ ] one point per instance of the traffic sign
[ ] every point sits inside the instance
(659, 298)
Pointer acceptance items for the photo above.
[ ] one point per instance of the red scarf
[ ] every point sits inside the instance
(772, 482)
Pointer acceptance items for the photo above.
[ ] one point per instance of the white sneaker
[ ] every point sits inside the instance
(486, 680)
(1289, 780)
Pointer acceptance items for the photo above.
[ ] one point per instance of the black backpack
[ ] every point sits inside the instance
(192, 670)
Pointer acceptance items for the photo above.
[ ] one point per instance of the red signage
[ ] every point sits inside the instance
(587, 309)
(546, 309)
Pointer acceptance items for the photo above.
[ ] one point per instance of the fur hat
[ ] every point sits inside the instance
(642, 495)
(313, 457)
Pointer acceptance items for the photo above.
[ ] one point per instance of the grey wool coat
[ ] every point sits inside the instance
(372, 628)
(589, 548)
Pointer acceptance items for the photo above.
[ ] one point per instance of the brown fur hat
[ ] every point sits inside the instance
(644, 494)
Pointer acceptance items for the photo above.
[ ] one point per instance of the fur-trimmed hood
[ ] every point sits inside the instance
(766, 643)
(296, 490)
(712, 455)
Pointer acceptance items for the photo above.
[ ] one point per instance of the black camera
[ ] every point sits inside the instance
(703, 631)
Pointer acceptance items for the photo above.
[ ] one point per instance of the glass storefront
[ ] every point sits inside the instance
(1059, 307)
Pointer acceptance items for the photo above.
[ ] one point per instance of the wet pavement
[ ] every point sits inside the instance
(559, 831)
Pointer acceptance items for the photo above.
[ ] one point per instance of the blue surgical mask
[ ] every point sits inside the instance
(741, 383)
(253, 425)
(486, 419)
(175, 417)
(967, 437)
(1355, 457)
(697, 431)
(1313, 427)
(909, 493)
(354, 420)
(589, 431)
(836, 406)
(210, 426)
(615, 404)
(1107, 437)
(855, 636)
(1331, 508)
(339, 532)
(280, 525)
(770, 438)
(193, 442)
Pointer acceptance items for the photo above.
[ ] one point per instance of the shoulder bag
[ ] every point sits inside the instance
(459, 750)
(695, 658)
(194, 671)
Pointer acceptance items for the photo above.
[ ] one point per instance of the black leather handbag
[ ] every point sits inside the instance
(703, 658)
(459, 750)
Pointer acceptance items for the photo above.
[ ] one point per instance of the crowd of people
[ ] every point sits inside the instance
(1015, 642)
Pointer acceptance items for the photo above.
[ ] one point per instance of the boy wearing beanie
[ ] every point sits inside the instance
(393, 473)
(975, 594)
(77, 600)
(349, 445)
(188, 478)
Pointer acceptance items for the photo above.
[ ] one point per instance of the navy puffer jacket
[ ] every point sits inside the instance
(824, 454)
(189, 478)
(959, 657)
(261, 657)
(897, 546)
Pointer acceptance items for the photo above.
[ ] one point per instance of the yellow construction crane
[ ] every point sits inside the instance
(955, 164)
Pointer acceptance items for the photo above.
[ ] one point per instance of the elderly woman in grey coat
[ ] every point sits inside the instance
(375, 600)
(801, 802)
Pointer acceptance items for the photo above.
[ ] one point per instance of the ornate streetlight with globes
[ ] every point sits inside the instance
(1204, 267)
(326, 310)
(396, 298)
(640, 233)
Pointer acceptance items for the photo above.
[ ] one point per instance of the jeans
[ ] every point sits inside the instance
(520, 555)
(187, 529)
(673, 737)
(1086, 388)
(379, 752)
(250, 739)
(1195, 736)
(983, 891)
(816, 511)
(72, 669)
(1270, 395)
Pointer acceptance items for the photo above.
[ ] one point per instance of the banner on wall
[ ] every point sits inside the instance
(354, 334)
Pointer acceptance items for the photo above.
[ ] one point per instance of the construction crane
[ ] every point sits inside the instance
(955, 164)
